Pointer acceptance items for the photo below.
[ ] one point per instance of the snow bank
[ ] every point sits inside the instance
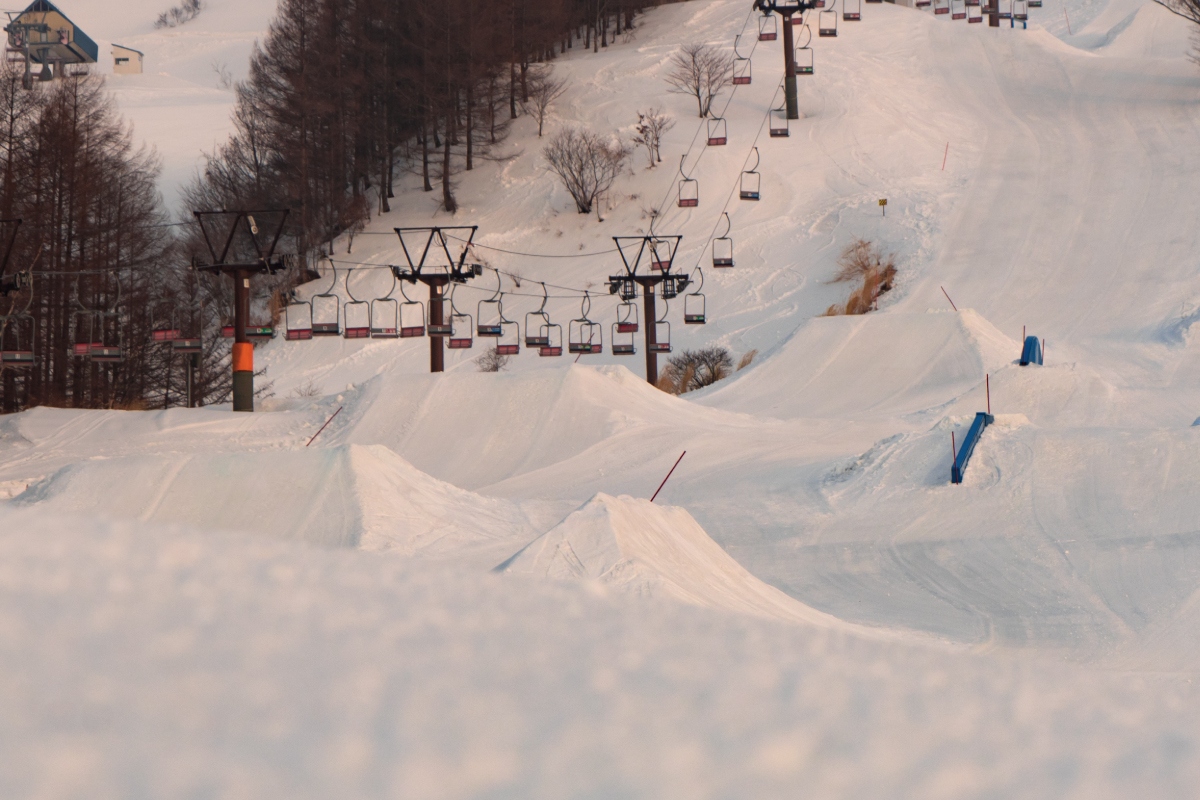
(347, 496)
(875, 364)
(654, 551)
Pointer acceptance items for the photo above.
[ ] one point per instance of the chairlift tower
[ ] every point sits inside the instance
(787, 9)
(657, 254)
(242, 244)
(437, 258)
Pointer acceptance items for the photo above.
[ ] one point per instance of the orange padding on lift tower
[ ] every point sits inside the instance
(243, 357)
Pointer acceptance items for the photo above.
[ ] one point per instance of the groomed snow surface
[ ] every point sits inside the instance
(461, 589)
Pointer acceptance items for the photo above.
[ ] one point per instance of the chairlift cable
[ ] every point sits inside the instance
(704, 122)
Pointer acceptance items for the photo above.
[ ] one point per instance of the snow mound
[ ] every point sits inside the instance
(654, 551)
(509, 424)
(348, 496)
(876, 364)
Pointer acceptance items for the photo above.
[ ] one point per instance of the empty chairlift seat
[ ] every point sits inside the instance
(768, 28)
(851, 10)
(827, 23)
(718, 132)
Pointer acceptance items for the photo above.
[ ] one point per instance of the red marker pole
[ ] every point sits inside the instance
(988, 382)
(948, 298)
(669, 474)
(323, 427)
(946, 157)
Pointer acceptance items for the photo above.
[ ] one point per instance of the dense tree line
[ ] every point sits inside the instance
(93, 238)
(343, 93)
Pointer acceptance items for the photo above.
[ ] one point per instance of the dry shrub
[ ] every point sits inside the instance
(863, 261)
(747, 360)
(492, 361)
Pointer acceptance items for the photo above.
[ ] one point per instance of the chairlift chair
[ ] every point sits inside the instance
(412, 316)
(260, 333)
(851, 10)
(660, 255)
(694, 304)
(460, 332)
(804, 54)
(958, 10)
(779, 123)
(742, 72)
(627, 320)
(662, 334)
(1035, 3)
(298, 321)
(490, 315)
(537, 324)
(585, 336)
(819, 4)
(689, 188)
(356, 314)
(768, 28)
(923, 3)
(623, 343)
(163, 334)
(1006, 7)
(1021, 10)
(941, 7)
(718, 132)
(751, 181)
(553, 336)
(460, 327)
(385, 315)
(19, 353)
(722, 248)
(326, 310)
(107, 353)
(974, 13)
(973, 3)
(805, 61)
(582, 336)
(827, 23)
(186, 345)
(85, 319)
(509, 341)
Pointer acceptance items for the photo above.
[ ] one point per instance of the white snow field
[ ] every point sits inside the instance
(461, 590)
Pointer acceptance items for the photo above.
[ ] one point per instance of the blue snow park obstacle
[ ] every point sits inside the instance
(982, 420)
(1031, 353)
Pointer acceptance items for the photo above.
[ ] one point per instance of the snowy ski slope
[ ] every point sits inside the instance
(810, 606)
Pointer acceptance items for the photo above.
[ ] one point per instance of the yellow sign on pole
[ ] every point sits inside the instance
(883, 205)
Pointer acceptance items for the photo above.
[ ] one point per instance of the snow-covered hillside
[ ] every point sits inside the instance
(460, 589)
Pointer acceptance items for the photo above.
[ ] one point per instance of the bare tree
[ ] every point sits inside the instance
(652, 126)
(587, 164)
(701, 71)
(700, 368)
(491, 361)
(544, 89)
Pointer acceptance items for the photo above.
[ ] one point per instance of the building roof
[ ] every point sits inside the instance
(81, 45)
(130, 49)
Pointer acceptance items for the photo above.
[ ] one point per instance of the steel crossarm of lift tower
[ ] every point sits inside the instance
(255, 253)
(431, 257)
(787, 8)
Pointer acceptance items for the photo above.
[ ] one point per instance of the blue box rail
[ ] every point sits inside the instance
(1031, 353)
(982, 420)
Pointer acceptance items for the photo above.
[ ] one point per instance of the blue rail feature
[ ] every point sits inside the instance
(982, 420)
(1031, 353)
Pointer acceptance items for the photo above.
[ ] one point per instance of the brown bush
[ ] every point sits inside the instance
(863, 261)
